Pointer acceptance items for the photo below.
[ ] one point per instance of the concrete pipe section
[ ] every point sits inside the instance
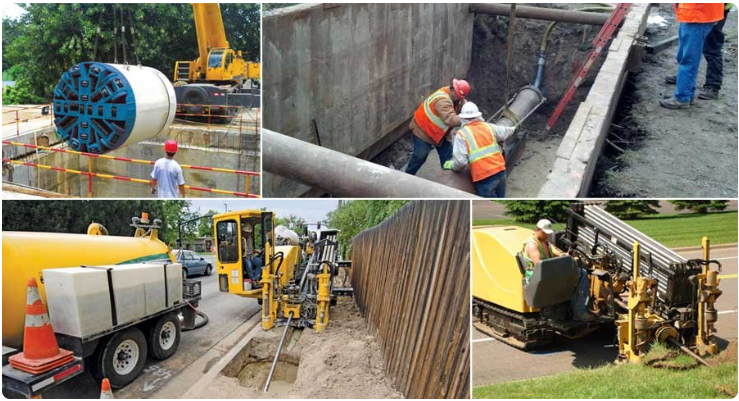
(101, 107)
(343, 175)
(526, 100)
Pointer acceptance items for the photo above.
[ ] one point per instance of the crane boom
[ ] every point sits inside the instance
(209, 28)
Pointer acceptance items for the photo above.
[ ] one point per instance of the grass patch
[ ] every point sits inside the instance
(622, 381)
(678, 230)
(672, 230)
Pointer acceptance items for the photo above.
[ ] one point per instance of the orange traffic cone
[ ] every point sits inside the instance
(41, 353)
(105, 392)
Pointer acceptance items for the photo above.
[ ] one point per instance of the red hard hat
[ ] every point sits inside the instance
(170, 146)
(461, 87)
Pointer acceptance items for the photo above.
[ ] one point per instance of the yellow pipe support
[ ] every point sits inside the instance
(324, 297)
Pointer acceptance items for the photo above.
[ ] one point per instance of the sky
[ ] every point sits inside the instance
(311, 210)
(11, 10)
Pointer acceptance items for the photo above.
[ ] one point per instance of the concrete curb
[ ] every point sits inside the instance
(578, 153)
(199, 373)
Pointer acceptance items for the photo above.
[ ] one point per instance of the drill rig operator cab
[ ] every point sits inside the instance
(245, 238)
(523, 313)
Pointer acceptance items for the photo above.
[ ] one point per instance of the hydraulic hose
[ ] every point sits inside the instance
(202, 323)
(542, 60)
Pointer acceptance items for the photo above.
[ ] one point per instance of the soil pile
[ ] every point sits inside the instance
(343, 361)
(672, 153)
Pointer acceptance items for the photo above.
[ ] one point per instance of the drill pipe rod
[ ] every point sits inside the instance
(343, 175)
(540, 13)
(277, 355)
(689, 352)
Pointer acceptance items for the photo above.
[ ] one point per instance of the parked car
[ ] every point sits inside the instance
(193, 264)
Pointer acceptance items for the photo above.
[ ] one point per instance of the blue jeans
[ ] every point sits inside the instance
(579, 301)
(692, 36)
(253, 266)
(421, 151)
(492, 187)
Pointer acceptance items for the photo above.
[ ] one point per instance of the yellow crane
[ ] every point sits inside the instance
(219, 77)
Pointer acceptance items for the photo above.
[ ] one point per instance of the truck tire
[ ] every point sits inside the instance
(121, 359)
(164, 336)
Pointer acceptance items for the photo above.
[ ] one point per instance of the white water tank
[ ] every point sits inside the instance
(101, 107)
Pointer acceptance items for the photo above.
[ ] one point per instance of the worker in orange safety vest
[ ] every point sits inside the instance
(696, 22)
(433, 122)
(479, 145)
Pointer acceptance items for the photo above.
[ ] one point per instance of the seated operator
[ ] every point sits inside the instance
(537, 248)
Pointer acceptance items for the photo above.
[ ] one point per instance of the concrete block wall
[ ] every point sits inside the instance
(352, 73)
(578, 153)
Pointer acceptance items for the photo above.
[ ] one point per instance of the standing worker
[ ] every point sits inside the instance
(433, 121)
(477, 144)
(166, 178)
(713, 53)
(538, 248)
(696, 22)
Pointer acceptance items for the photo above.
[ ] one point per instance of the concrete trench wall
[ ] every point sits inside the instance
(352, 74)
(573, 169)
(210, 147)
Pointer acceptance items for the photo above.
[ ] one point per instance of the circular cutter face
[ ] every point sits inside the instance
(101, 107)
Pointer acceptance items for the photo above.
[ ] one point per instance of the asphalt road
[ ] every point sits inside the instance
(225, 311)
(495, 362)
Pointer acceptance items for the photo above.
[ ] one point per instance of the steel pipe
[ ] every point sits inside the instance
(343, 175)
(526, 100)
(546, 14)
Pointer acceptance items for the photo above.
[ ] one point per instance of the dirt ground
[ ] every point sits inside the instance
(672, 153)
(568, 47)
(344, 361)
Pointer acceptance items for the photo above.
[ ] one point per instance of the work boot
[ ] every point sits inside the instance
(584, 317)
(671, 79)
(674, 104)
(708, 93)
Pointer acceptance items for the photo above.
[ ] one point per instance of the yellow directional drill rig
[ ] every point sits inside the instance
(296, 284)
(649, 292)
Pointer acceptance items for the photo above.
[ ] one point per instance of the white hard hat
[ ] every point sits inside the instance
(545, 225)
(470, 111)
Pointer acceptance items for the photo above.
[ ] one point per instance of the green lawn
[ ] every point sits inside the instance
(622, 381)
(672, 230)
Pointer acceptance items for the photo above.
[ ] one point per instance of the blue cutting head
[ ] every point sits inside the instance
(94, 107)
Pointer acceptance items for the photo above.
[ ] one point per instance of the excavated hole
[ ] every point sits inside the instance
(569, 46)
(252, 364)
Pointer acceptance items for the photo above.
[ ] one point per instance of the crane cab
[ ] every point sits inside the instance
(225, 65)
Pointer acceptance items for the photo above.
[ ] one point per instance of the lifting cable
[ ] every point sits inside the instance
(115, 35)
(133, 37)
(97, 35)
(509, 58)
(123, 35)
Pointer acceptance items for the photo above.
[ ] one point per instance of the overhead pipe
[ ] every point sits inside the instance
(343, 175)
(546, 14)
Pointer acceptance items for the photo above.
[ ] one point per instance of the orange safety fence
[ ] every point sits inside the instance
(248, 174)
(123, 178)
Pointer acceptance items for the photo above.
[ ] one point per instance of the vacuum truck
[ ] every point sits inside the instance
(111, 300)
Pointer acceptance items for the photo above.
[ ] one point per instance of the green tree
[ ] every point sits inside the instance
(700, 206)
(632, 209)
(531, 211)
(50, 38)
(205, 225)
(292, 222)
(73, 216)
(352, 217)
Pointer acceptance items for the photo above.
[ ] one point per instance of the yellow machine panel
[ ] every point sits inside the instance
(26, 254)
(290, 263)
(496, 277)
